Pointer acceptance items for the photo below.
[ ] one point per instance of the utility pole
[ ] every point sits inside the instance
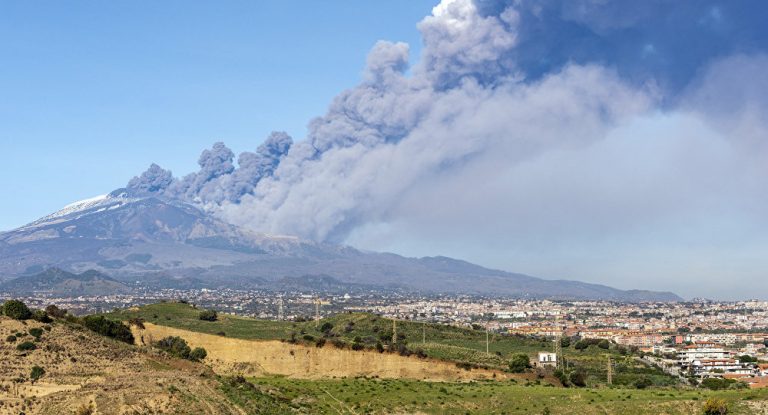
(280, 311)
(610, 371)
(423, 332)
(317, 312)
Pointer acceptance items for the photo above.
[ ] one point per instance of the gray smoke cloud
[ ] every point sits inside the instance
(218, 180)
(154, 180)
(528, 136)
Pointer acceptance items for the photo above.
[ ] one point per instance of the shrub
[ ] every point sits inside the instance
(320, 342)
(36, 332)
(379, 347)
(41, 316)
(84, 410)
(604, 344)
(716, 383)
(562, 377)
(309, 337)
(715, 406)
(55, 312)
(11, 339)
(519, 363)
(565, 341)
(578, 378)
(209, 315)
(109, 328)
(581, 345)
(137, 321)
(175, 346)
(643, 382)
(16, 310)
(402, 349)
(26, 346)
(37, 373)
(326, 327)
(197, 354)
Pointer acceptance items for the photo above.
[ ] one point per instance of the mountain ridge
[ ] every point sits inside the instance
(132, 236)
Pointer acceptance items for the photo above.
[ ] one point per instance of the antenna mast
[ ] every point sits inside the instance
(559, 358)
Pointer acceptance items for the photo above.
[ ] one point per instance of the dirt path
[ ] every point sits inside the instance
(255, 357)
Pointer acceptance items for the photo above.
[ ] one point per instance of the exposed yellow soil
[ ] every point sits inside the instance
(259, 357)
(84, 369)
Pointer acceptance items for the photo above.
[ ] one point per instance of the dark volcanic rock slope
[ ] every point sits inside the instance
(168, 242)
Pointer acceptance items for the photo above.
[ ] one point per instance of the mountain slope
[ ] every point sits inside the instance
(61, 283)
(170, 243)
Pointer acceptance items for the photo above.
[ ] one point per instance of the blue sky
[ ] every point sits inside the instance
(93, 92)
(619, 142)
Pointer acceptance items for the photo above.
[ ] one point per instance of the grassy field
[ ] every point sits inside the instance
(380, 396)
(457, 344)
(375, 396)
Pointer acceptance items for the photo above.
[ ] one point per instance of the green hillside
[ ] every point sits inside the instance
(361, 330)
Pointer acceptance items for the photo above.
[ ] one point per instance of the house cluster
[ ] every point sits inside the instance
(710, 359)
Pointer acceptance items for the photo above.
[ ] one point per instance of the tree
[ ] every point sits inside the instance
(715, 406)
(565, 341)
(519, 363)
(581, 345)
(209, 315)
(604, 344)
(197, 354)
(36, 332)
(747, 359)
(37, 373)
(16, 310)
